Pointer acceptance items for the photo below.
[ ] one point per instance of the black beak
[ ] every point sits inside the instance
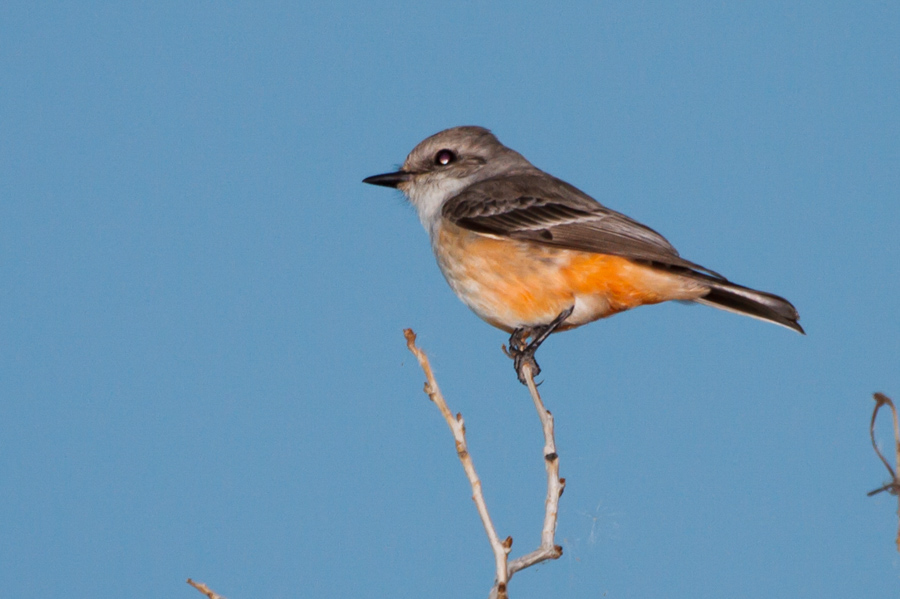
(388, 179)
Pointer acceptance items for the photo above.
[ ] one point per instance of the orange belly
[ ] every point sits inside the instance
(512, 284)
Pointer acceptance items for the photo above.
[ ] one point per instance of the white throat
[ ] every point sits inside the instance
(429, 194)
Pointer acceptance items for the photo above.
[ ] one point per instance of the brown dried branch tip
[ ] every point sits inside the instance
(204, 589)
(892, 487)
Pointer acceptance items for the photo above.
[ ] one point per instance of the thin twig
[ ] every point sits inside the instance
(204, 589)
(458, 428)
(892, 487)
(555, 486)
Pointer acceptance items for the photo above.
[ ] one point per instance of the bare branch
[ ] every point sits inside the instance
(458, 428)
(555, 486)
(892, 487)
(204, 589)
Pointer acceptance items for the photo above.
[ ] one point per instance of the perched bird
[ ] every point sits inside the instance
(532, 255)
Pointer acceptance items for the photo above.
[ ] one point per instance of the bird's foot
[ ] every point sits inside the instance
(522, 351)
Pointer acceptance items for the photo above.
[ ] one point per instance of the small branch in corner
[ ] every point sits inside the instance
(204, 589)
(892, 487)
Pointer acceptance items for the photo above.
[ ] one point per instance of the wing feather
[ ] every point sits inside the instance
(540, 208)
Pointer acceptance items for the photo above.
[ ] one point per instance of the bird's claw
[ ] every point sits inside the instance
(526, 359)
(522, 351)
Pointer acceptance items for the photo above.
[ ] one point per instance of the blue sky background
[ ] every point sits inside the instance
(202, 370)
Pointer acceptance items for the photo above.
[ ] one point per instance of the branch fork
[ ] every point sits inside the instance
(548, 549)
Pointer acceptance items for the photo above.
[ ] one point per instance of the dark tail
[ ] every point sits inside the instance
(749, 302)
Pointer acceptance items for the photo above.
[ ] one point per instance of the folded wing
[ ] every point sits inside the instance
(542, 209)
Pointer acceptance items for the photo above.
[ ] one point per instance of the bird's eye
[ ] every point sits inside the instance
(444, 157)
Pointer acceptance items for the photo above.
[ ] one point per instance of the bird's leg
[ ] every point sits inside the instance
(522, 351)
(518, 346)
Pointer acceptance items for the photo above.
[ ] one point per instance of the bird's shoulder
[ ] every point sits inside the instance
(515, 192)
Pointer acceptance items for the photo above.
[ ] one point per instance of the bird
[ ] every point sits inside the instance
(533, 255)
